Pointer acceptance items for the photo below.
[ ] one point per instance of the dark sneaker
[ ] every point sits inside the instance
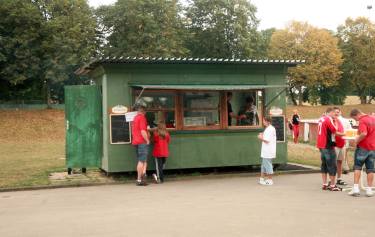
(142, 183)
(334, 188)
(325, 187)
(341, 182)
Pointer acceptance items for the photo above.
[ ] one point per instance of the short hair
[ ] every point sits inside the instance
(338, 108)
(267, 119)
(355, 112)
(329, 110)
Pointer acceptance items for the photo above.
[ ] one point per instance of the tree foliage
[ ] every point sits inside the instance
(142, 28)
(42, 41)
(221, 29)
(320, 50)
(357, 42)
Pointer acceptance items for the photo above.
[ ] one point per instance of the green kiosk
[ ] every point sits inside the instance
(213, 109)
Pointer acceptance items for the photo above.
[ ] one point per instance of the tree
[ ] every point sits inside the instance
(357, 42)
(68, 35)
(222, 29)
(41, 42)
(20, 42)
(264, 42)
(320, 50)
(142, 28)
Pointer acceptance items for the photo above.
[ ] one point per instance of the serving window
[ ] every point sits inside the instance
(160, 106)
(202, 110)
(244, 108)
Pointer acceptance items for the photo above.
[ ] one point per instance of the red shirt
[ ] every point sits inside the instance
(367, 125)
(161, 145)
(326, 129)
(340, 142)
(139, 123)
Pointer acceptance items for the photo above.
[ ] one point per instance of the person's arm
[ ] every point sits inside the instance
(145, 136)
(263, 137)
(168, 138)
(362, 128)
(143, 128)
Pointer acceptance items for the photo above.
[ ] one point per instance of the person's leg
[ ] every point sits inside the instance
(140, 168)
(345, 165)
(295, 133)
(262, 173)
(370, 168)
(359, 159)
(330, 156)
(268, 171)
(161, 166)
(323, 169)
(340, 157)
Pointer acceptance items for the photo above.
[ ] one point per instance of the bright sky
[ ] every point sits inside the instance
(321, 13)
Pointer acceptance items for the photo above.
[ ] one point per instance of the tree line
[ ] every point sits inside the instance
(42, 43)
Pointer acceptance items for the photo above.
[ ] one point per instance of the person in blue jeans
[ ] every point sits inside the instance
(365, 151)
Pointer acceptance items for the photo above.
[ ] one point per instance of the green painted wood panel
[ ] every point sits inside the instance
(83, 126)
(191, 149)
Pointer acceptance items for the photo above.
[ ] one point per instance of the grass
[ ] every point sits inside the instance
(29, 164)
(309, 155)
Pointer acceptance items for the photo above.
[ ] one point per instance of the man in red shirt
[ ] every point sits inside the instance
(326, 145)
(141, 141)
(365, 152)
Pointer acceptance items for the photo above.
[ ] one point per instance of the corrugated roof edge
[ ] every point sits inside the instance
(174, 60)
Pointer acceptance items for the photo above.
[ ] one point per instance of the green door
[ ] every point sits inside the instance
(83, 117)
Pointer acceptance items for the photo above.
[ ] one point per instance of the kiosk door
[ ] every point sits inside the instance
(83, 117)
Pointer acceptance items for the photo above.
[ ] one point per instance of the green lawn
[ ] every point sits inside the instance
(29, 164)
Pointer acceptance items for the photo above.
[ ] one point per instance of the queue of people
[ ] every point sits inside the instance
(330, 142)
(141, 141)
(332, 147)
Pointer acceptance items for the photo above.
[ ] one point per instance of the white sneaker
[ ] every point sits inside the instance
(269, 182)
(369, 192)
(354, 193)
(262, 181)
(155, 177)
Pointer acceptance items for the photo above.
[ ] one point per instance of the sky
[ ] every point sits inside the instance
(327, 14)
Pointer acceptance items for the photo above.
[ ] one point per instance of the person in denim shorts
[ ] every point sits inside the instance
(141, 141)
(268, 152)
(326, 145)
(365, 151)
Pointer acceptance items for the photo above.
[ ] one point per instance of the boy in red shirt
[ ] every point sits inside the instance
(365, 152)
(161, 151)
(141, 141)
(340, 146)
(326, 145)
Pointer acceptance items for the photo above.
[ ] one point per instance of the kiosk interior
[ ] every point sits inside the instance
(213, 108)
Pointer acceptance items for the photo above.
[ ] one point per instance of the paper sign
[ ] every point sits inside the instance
(119, 109)
(130, 116)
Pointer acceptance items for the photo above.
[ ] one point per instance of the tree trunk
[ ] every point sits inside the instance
(363, 99)
(291, 94)
(48, 95)
(300, 96)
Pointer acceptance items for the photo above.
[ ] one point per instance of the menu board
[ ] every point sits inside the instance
(279, 123)
(120, 132)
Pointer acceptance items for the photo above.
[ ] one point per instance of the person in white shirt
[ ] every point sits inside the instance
(268, 152)
(342, 153)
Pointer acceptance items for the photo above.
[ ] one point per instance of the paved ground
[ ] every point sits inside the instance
(236, 206)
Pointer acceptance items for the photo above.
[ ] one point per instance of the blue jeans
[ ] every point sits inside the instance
(329, 165)
(266, 167)
(364, 157)
(142, 152)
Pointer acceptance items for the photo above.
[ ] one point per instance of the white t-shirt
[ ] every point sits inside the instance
(269, 149)
(345, 123)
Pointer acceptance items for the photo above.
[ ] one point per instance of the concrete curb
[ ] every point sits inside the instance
(170, 179)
